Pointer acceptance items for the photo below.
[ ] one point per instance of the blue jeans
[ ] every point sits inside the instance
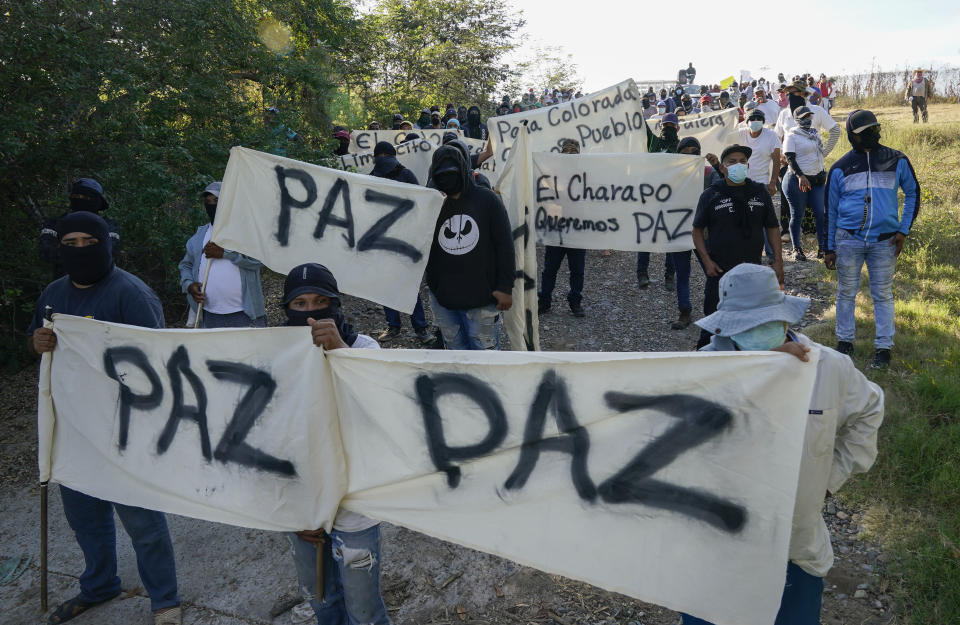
(643, 264)
(238, 319)
(351, 577)
(91, 520)
(800, 605)
(881, 260)
(798, 201)
(477, 328)
(418, 319)
(576, 261)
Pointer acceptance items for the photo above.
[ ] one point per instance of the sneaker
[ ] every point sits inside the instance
(820, 254)
(643, 280)
(845, 347)
(169, 616)
(577, 309)
(391, 334)
(682, 322)
(423, 335)
(798, 254)
(670, 283)
(881, 359)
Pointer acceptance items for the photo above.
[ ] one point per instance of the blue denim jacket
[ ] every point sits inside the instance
(249, 274)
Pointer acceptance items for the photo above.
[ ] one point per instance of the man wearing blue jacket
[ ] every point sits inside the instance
(864, 225)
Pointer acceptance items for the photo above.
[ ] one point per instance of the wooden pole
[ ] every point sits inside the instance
(203, 289)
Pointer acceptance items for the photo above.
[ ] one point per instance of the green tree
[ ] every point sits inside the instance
(148, 96)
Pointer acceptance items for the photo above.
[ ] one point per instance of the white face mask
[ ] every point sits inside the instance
(756, 125)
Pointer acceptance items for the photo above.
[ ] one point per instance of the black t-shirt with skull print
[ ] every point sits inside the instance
(472, 253)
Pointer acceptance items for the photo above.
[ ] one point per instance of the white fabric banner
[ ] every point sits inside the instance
(373, 234)
(522, 322)
(629, 202)
(608, 468)
(366, 140)
(233, 426)
(715, 130)
(610, 120)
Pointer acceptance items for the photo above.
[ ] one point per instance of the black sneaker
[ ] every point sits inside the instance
(670, 283)
(643, 280)
(391, 334)
(845, 347)
(820, 254)
(881, 359)
(799, 255)
(423, 335)
(577, 310)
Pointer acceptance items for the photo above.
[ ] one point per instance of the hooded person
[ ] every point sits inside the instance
(471, 267)
(387, 166)
(96, 289)
(86, 194)
(311, 298)
(397, 120)
(474, 128)
(462, 115)
(668, 139)
(423, 121)
(865, 226)
(233, 297)
(451, 139)
(840, 438)
(342, 135)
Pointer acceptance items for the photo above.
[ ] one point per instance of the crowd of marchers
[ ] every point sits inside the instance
(784, 136)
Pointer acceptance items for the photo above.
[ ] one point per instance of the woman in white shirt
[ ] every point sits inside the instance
(804, 183)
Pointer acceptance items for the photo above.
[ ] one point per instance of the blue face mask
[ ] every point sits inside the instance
(764, 337)
(756, 125)
(737, 173)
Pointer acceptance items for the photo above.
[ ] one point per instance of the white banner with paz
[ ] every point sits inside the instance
(610, 121)
(607, 468)
(629, 202)
(373, 234)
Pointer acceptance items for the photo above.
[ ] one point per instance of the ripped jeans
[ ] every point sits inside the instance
(351, 577)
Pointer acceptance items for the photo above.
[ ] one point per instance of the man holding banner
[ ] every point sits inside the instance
(95, 288)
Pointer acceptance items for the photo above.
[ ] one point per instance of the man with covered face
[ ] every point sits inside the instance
(471, 267)
(86, 194)
(474, 128)
(95, 288)
(865, 226)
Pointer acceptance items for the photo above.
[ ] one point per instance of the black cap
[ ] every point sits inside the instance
(410, 136)
(860, 120)
(730, 149)
(688, 142)
(448, 137)
(757, 114)
(309, 278)
(803, 111)
(384, 147)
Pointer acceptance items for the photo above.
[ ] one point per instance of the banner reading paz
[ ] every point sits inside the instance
(374, 234)
(609, 468)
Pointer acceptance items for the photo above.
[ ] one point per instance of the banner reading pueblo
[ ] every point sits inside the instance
(604, 467)
(608, 121)
(374, 234)
(629, 202)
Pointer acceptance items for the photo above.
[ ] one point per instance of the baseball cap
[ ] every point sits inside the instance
(757, 114)
(860, 120)
(213, 189)
(309, 278)
(730, 149)
(384, 147)
(670, 118)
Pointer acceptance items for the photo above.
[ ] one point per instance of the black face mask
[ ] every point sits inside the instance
(211, 210)
(669, 132)
(473, 119)
(870, 138)
(91, 205)
(299, 317)
(87, 265)
(423, 121)
(450, 183)
(796, 100)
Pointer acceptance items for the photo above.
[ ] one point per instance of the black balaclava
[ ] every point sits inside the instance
(462, 114)
(315, 278)
(424, 120)
(796, 100)
(473, 117)
(92, 202)
(449, 170)
(92, 263)
(687, 142)
(210, 208)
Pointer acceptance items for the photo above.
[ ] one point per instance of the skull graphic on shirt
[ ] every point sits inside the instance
(458, 235)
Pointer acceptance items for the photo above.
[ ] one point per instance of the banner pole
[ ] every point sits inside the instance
(43, 546)
(203, 289)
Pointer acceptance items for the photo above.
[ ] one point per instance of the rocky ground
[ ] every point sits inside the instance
(427, 581)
